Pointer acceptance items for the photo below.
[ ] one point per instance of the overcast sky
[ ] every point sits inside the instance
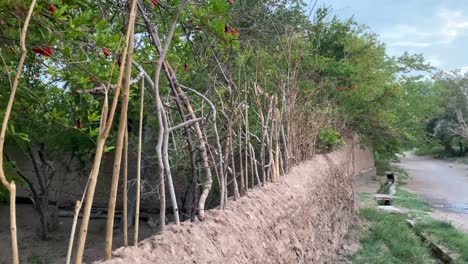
(436, 28)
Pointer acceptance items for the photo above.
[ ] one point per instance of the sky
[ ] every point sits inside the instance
(436, 28)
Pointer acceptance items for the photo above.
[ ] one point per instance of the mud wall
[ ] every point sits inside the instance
(301, 219)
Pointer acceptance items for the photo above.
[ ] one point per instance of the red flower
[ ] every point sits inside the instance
(234, 32)
(52, 8)
(47, 51)
(226, 29)
(185, 67)
(106, 52)
(230, 2)
(155, 3)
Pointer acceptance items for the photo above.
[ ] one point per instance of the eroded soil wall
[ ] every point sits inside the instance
(301, 219)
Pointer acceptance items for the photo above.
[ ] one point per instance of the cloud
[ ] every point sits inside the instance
(410, 44)
(434, 61)
(464, 69)
(402, 31)
(445, 27)
(453, 24)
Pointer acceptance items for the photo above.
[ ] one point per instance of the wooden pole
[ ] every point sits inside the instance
(72, 236)
(138, 183)
(106, 125)
(124, 189)
(119, 148)
(11, 187)
(14, 238)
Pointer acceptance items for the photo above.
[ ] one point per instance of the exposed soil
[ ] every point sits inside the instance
(367, 182)
(302, 219)
(442, 184)
(32, 248)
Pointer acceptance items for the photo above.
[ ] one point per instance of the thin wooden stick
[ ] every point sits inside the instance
(72, 236)
(161, 147)
(101, 143)
(241, 159)
(124, 189)
(138, 183)
(14, 238)
(11, 187)
(119, 149)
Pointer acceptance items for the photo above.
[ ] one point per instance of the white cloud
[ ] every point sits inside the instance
(410, 44)
(464, 69)
(446, 26)
(401, 31)
(434, 61)
(452, 25)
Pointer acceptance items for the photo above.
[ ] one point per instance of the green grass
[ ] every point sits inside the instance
(445, 233)
(364, 197)
(410, 201)
(384, 189)
(389, 240)
(37, 260)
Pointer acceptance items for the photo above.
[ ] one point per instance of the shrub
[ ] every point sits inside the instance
(329, 139)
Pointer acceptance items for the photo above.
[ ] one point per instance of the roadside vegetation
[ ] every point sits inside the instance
(386, 237)
(389, 239)
(446, 234)
(446, 131)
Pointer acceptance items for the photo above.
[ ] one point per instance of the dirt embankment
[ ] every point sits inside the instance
(301, 219)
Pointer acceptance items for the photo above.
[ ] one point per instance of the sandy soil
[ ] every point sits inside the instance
(367, 182)
(32, 248)
(442, 184)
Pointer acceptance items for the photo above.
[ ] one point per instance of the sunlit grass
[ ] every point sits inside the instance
(389, 239)
(445, 233)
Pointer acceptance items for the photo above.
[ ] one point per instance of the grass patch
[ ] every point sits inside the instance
(38, 260)
(389, 240)
(384, 189)
(364, 197)
(411, 201)
(445, 233)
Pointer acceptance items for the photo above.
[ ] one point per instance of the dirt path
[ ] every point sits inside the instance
(442, 184)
